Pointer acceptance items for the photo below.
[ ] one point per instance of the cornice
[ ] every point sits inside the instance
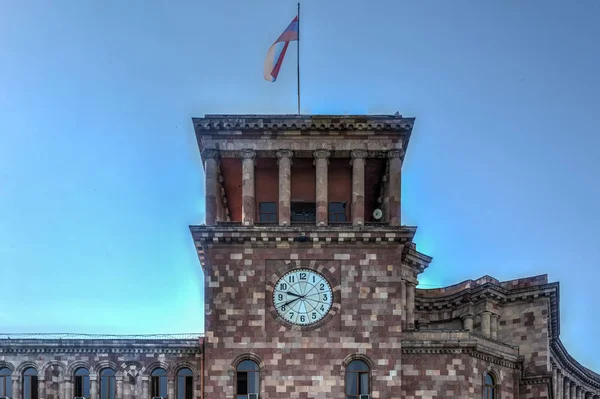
(564, 361)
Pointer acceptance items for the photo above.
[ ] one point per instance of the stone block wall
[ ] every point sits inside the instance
(526, 325)
(452, 375)
(303, 362)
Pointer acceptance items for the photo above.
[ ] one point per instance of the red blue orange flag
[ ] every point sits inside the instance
(278, 49)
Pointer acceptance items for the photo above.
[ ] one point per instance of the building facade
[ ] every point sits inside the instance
(310, 290)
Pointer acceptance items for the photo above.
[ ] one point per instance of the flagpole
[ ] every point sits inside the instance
(298, 58)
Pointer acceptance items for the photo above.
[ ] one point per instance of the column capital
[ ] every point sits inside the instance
(319, 154)
(285, 154)
(209, 153)
(247, 153)
(398, 153)
(358, 154)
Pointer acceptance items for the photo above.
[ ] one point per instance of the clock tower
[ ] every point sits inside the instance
(309, 274)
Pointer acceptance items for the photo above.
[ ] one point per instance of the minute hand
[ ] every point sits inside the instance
(288, 302)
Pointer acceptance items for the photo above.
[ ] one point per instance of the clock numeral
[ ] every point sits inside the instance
(314, 279)
(302, 276)
(302, 319)
(283, 286)
(291, 315)
(322, 308)
(324, 297)
(291, 279)
(322, 287)
(280, 297)
(314, 315)
(282, 308)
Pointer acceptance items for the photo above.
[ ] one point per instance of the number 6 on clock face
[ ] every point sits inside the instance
(302, 297)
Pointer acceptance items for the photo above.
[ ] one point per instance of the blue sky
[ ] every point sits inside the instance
(100, 174)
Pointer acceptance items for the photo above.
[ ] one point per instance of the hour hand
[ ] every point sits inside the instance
(292, 294)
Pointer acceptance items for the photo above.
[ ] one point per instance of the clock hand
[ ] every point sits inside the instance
(291, 293)
(288, 302)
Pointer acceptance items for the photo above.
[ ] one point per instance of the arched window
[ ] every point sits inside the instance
(82, 383)
(490, 390)
(108, 389)
(159, 383)
(5, 382)
(357, 379)
(185, 384)
(246, 378)
(30, 383)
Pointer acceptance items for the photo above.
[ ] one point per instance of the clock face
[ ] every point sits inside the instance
(302, 297)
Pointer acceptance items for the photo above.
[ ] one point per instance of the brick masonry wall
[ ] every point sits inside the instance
(303, 363)
(132, 361)
(453, 375)
(525, 324)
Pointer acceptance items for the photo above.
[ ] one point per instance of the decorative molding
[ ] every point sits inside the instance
(247, 153)
(209, 153)
(397, 153)
(321, 154)
(358, 154)
(285, 154)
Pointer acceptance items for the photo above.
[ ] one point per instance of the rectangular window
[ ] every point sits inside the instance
(267, 211)
(189, 387)
(303, 211)
(337, 212)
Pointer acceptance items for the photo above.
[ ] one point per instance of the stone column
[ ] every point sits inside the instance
(41, 387)
(119, 380)
(248, 203)
(16, 386)
(93, 386)
(559, 384)
(566, 388)
(410, 305)
(68, 388)
(468, 322)
(321, 161)
(394, 181)
(404, 307)
(494, 326)
(285, 185)
(485, 323)
(578, 392)
(358, 187)
(573, 390)
(171, 387)
(62, 388)
(145, 384)
(211, 189)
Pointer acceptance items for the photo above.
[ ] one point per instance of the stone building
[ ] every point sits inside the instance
(310, 285)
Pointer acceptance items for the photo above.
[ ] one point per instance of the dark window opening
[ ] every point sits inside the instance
(82, 383)
(30, 384)
(357, 379)
(247, 379)
(107, 384)
(303, 212)
(337, 212)
(489, 391)
(159, 383)
(267, 211)
(185, 384)
(5, 382)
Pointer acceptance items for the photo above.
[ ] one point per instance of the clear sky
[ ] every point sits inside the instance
(100, 174)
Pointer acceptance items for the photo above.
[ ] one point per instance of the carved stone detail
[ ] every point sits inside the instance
(320, 154)
(248, 154)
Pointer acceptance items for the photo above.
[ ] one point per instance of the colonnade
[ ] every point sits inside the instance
(568, 387)
(321, 157)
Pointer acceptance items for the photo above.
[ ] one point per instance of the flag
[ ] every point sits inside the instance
(278, 49)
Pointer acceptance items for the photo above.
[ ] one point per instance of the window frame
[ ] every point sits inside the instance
(186, 394)
(112, 387)
(32, 380)
(238, 372)
(6, 381)
(358, 373)
(490, 388)
(273, 214)
(155, 387)
(79, 383)
(305, 217)
(331, 214)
